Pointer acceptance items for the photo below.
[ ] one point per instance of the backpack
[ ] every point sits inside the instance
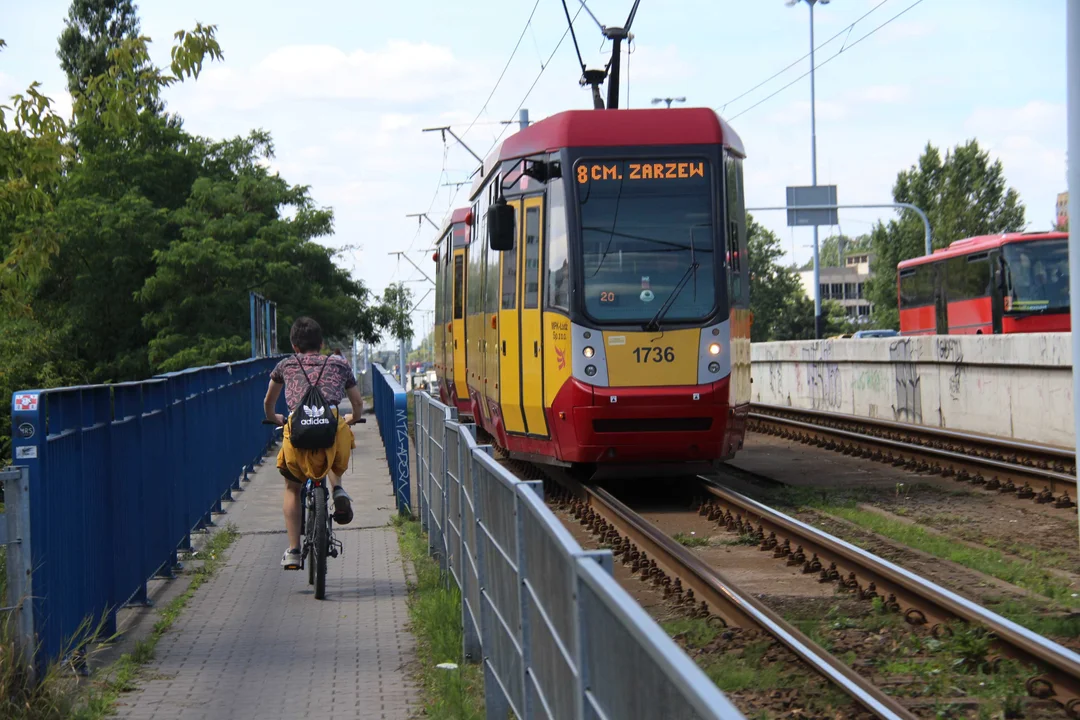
(313, 425)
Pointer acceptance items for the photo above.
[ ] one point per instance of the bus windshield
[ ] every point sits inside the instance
(644, 225)
(1038, 272)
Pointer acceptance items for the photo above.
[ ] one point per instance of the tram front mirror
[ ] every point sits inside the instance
(500, 222)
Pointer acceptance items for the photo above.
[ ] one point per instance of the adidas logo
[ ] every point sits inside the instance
(315, 416)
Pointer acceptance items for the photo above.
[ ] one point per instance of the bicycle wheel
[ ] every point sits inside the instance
(309, 523)
(321, 542)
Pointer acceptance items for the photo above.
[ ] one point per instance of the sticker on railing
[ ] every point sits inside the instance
(26, 431)
(28, 452)
(26, 402)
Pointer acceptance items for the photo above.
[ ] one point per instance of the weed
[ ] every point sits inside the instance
(690, 540)
(695, 632)
(741, 540)
(1028, 575)
(435, 615)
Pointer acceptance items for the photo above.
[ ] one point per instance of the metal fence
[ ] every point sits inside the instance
(557, 636)
(118, 476)
(392, 413)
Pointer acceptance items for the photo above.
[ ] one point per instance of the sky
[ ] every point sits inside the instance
(345, 89)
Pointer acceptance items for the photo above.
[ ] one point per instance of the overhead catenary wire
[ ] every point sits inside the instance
(505, 68)
(778, 73)
(826, 61)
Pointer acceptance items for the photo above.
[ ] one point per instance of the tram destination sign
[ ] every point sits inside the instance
(802, 197)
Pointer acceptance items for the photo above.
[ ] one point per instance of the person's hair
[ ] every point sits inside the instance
(306, 335)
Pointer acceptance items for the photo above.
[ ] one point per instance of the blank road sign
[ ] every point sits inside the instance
(803, 196)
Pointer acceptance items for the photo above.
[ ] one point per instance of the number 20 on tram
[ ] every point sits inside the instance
(593, 300)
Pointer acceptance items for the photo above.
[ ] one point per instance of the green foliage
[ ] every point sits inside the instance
(781, 309)
(829, 250)
(394, 314)
(964, 195)
(127, 245)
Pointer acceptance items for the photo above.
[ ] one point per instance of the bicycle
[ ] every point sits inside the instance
(320, 544)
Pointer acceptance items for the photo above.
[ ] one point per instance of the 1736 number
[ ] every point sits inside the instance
(654, 354)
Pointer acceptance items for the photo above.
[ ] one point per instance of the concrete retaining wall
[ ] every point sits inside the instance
(1017, 386)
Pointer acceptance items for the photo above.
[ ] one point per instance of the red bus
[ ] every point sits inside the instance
(1010, 283)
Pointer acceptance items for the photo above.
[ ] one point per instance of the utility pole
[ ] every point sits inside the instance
(1072, 75)
(819, 324)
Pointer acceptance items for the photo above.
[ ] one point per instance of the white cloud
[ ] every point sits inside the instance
(400, 73)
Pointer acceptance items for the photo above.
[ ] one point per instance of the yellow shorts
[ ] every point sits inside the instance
(303, 464)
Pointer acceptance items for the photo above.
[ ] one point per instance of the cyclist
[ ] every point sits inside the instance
(335, 380)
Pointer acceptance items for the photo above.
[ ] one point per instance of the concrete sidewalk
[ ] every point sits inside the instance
(254, 642)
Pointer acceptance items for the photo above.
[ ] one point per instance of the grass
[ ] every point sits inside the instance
(59, 695)
(1028, 575)
(690, 540)
(435, 620)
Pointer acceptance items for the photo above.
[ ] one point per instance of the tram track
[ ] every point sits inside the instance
(995, 464)
(702, 591)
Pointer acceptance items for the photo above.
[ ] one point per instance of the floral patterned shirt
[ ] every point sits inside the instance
(337, 377)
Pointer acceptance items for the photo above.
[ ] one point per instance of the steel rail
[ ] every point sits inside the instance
(943, 448)
(868, 576)
(661, 558)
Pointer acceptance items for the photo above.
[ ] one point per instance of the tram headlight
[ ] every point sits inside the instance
(714, 349)
(590, 370)
(714, 367)
(588, 351)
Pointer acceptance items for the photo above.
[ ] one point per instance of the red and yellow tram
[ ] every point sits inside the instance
(593, 301)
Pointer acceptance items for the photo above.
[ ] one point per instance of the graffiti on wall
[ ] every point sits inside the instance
(823, 377)
(949, 350)
(908, 405)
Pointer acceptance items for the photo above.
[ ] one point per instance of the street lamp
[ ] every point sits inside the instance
(818, 319)
(657, 101)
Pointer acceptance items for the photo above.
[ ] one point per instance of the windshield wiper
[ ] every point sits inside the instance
(654, 324)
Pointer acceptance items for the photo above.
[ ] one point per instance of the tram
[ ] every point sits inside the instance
(593, 300)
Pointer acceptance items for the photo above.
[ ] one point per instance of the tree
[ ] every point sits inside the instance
(242, 229)
(92, 30)
(829, 250)
(395, 313)
(963, 194)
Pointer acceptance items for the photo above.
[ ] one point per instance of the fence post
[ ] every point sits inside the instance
(536, 486)
(471, 637)
(20, 579)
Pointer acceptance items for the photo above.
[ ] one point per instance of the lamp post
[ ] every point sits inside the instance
(819, 328)
(668, 100)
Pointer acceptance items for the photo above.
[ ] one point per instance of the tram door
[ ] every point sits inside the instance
(510, 336)
(530, 244)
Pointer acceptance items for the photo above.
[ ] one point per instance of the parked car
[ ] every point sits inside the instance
(876, 333)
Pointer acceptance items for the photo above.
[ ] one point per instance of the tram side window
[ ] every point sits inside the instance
(917, 286)
(558, 254)
(459, 287)
(532, 258)
(509, 277)
(738, 269)
(968, 277)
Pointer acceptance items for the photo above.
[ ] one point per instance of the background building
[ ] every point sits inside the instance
(846, 285)
(1062, 213)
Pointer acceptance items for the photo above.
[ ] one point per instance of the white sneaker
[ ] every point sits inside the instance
(291, 560)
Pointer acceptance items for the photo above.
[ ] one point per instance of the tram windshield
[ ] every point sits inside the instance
(643, 226)
(1038, 276)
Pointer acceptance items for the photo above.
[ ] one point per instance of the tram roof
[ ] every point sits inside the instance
(457, 216)
(980, 243)
(613, 128)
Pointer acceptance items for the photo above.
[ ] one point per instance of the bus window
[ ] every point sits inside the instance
(1038, 275)
(459, 287)
(917, 286)
(968, 277)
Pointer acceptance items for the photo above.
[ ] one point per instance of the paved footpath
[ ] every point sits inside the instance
(254, 643)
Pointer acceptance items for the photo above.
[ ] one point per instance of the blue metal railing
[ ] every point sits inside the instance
(392, 413)
(119, 477)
